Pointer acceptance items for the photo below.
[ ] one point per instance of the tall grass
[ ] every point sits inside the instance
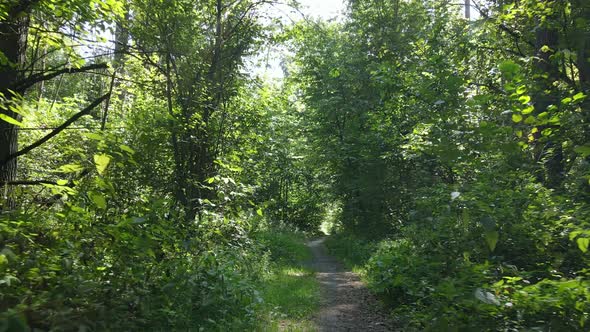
(290, 291)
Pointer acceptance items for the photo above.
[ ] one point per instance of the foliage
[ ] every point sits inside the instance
(139, 216)
(453, 155)
(456, 151)
(355, 252)
(290, 291)
(62, 270)
(286, 247)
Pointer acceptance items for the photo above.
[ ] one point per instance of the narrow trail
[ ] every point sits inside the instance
(346, 303)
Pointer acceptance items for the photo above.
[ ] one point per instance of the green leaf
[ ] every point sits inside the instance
(102, 162)
(574, 234)
(10, 120)
(126, 149)
(70, 168)
(583, 243)
(62, 182)
(492, 239)
(578, 96)
(545, 49)
(516, 118)
(334, 73)
(528, 110)
(524, 99)
(547, 132)
(259, 212)
(94, 136)
(530, 120)
(98, 200)
(509, 67)
(521, 89)
(584, 150)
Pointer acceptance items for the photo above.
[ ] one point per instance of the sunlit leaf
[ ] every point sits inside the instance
(10, 120)
(70, 168)
(102, 162)
(583, 243)
(521, 89)
(524, 99)
(578, 96)
(94, 136)
(516, 118)
(528, 110)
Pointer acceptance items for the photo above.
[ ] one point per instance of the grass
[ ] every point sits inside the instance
(291, 298)
(291, 291)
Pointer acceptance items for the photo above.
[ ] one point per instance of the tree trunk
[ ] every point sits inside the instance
(552, 151)
(13, 41)
(121, 41)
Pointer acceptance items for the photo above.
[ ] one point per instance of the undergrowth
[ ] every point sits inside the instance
(289, 291)
(427, 292)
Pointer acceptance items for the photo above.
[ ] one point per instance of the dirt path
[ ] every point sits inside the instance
(346, 305)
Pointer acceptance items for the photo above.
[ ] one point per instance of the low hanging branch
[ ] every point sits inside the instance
(28, 183)
(57, 130)
(31, 80)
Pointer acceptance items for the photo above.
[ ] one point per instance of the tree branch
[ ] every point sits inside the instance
(57, 130)
(28, 183)
(31, 80)
(517, 36)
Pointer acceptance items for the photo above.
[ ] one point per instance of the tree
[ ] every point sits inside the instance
(17, 72)
(201, 76)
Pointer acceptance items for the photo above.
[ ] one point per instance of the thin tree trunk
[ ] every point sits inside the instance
(548, 36)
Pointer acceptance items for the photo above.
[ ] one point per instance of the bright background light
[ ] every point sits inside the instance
(268, 64)
(324, 9)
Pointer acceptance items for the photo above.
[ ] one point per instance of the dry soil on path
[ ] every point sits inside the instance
(346, 303)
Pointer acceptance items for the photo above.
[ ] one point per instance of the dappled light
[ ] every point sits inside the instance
(341, 165)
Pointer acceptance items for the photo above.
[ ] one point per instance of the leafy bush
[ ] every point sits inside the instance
(284, 244)
(69, 271)
(352, 250)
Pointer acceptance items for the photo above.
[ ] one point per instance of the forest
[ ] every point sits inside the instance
(153, 179)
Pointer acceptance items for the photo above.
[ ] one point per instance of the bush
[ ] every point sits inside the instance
(353, 251)
(68, 271)
(284, 245)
